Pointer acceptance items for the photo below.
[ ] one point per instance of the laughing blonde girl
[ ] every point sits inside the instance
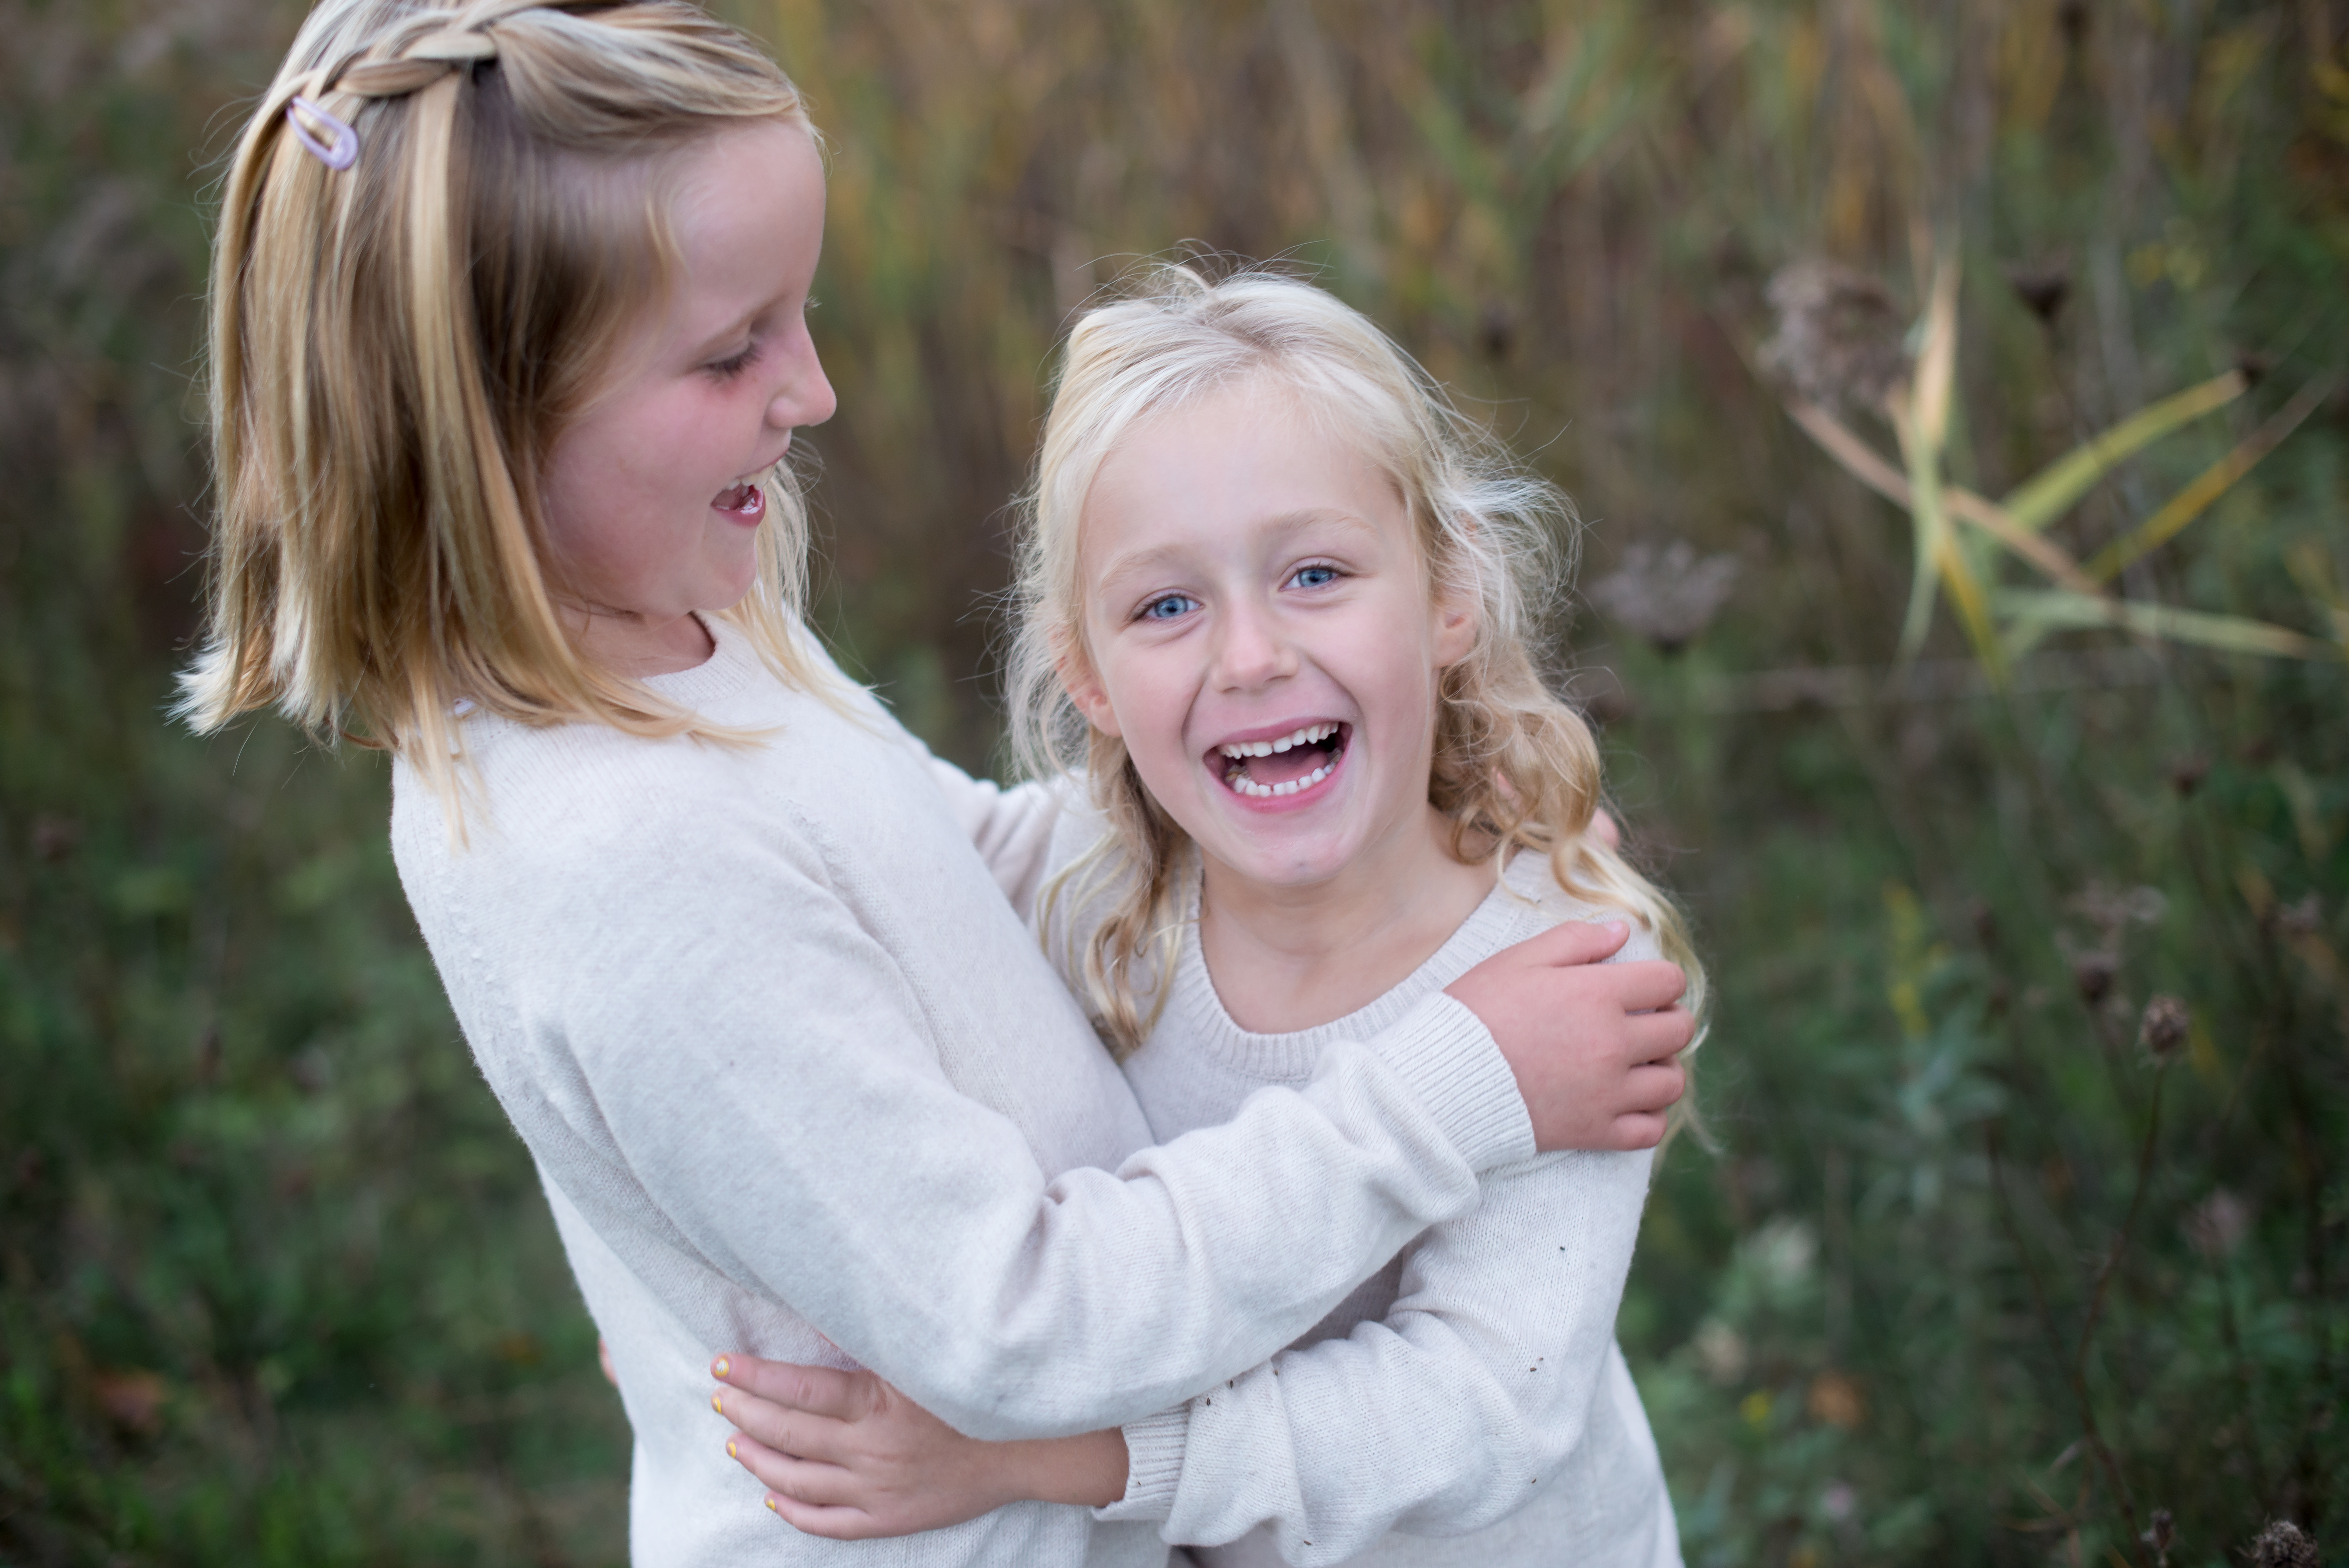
(1278, 608)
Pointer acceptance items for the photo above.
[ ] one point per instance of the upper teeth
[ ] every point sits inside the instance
(1305, 736)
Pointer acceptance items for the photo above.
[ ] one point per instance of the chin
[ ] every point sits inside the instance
(1271, 862)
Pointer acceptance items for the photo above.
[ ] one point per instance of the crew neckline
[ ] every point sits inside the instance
(1289, 1055)
(731, 663)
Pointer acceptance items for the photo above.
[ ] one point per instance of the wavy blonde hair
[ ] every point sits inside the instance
(395, 347)
(1514, 766)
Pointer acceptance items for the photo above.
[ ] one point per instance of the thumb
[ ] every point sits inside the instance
(1577, 941)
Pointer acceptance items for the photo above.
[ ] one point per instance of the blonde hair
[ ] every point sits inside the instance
(1514, 766)
(397, 346)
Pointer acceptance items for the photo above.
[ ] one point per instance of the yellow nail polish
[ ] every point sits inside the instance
(732, 1452)
(716, 1404)
(722, 1366)
(770, 1506)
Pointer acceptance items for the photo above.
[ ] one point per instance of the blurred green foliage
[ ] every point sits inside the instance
(1986, 1269)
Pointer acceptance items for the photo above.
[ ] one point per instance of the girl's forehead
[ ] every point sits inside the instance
(1263, 410)
(1234, 474)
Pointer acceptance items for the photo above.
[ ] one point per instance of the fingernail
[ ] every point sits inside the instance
(721, 1369)
(716, 1404)
(770, 1506)
(732, 1452)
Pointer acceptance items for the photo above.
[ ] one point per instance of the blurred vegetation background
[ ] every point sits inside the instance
(2028, 1236)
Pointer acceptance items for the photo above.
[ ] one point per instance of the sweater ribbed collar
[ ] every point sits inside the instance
(1288, 1057)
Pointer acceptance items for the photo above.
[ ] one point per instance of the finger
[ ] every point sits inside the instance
(1603, 828)
(1646, 984)
(783, 1428)
(834, 1524)
(1655, 1087)
(1653, 1036)
(1637, 1130)
(819, 1391)
(1575, 942)
(811, 1481)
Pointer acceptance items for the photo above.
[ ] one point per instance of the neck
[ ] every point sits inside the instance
(1287, 957)
(634, 646)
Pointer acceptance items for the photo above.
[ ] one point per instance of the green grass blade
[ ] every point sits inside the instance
(2208, 486)
(2055, 609)
(2050, 493)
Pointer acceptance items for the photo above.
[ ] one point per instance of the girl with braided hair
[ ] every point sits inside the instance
(507, 351)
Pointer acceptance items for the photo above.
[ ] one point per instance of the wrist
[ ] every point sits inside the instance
(1083, 1471)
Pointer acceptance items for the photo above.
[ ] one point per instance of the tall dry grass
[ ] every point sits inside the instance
(2006, 1258)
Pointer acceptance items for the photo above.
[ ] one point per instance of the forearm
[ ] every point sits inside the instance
(910, 1224)
(1446, 1416)
(1114, 1296)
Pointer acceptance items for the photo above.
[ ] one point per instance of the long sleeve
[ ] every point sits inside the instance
(1469, 1382)
(705, 1012)
(1448, 1414)
(1010, 828)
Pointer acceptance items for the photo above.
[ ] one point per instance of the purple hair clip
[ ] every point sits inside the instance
(342, 152)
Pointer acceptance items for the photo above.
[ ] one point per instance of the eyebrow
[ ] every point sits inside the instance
(1144, 561)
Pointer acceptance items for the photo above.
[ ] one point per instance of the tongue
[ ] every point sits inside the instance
(739, 498)
(1283, 766)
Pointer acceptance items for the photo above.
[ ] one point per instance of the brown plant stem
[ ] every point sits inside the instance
(2089, 1431)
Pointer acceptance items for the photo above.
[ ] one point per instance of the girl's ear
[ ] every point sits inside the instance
(1456, 618)
(1084, 689)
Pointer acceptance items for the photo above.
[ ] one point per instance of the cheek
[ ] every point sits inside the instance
(1145, 692)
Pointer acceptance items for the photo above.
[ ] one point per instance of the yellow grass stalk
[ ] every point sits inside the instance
(2050, 493)
(2208, 486)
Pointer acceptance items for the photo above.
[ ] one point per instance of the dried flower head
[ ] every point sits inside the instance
(2304, 917)
(2041, 289)
(1668, 596)
(2110, 909)
(2284, 1544)
(2093, 974)
(1840, 338)
(2216, 1225)
(55, 838)
(2163, 1028)
(2163, 1531)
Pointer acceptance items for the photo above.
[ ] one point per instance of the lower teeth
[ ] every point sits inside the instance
(1243, 785)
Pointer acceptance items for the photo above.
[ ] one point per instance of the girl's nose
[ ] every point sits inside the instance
(806, 397)
(1250, 652)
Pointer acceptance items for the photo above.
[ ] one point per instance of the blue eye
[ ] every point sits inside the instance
(1168, 607)
(1315, 576)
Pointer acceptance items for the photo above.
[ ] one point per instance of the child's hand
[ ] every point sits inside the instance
(1591, 1044)
(844, 1455)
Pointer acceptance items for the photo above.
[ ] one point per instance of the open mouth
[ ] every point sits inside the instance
(745, 502)
(1287, 765)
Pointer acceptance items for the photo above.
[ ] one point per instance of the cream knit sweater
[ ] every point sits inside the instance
(1470, 1389)
(798, 1082)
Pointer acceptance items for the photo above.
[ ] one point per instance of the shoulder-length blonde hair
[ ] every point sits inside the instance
(1514, 766)
(396, 347)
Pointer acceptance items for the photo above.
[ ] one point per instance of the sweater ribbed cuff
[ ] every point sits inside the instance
(1447, 1056)
(1154, 1463)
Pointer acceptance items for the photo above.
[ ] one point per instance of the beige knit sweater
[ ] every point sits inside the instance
(799, 1082)
(1468, 1404)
